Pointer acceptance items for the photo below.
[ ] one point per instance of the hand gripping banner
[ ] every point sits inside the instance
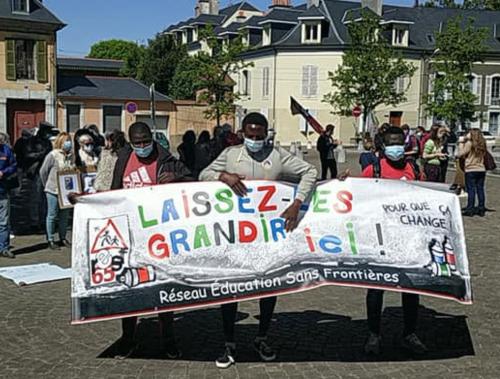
(189, 245)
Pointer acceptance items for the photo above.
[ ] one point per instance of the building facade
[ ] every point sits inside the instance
(294, 48)
(27, 65)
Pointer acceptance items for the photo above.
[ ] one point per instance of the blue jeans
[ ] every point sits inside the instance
(4, 222)
(55, 214)
(474, 184)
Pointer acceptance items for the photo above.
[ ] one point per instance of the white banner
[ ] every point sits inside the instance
(188, 245)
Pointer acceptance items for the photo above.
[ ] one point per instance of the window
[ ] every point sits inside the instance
(25, 59)
(309, 81)
(245, 83)
(399, 37)
(430, 39)
(20, 6)
(495, 90)
(266, 38)
(494, 124)
(311, 33)
(265, 82)
(401, 84)
(112, 117)
(72, 117)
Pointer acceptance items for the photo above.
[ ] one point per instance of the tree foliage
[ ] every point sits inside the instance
(159, 62)
(369, 70)
(492, 5)
(185, 82)
(214, 71)
(459, 46)
(127, 51)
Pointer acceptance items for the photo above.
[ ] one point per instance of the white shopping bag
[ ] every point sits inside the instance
(340, 154)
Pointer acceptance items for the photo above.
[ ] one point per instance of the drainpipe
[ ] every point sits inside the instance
(274, 88)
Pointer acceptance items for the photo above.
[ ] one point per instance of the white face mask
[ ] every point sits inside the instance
(88, 148)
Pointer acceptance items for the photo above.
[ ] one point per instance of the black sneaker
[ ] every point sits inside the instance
(171, 351)
(265, 351)
(413, 344)
(372, 345)
(65, 243)
(481, 212)
(7, 254)
(125, 348)
(227, 359)
(468, 213)
(52, 245)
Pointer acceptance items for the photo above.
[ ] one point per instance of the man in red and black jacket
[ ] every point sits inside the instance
(392, 166)
(146, 163)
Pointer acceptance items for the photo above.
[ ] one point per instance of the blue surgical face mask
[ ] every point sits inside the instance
(67, 146)
(254, 146)
(395, 152)
(144, 152)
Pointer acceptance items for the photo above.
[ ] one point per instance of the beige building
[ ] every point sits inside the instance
(293, 48)
(27, 65)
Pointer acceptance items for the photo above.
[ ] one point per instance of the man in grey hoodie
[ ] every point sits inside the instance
(257, 159)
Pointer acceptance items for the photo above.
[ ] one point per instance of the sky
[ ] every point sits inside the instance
(90, 21)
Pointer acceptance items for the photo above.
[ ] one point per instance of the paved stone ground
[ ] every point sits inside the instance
(319, 334)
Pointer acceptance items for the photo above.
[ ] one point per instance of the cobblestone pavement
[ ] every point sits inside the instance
(319, 334)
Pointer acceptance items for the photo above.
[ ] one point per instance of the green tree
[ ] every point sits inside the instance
(214, 73)
(369, 71)
(185, 82)
(441, 4)
(492, 5)
(459, 46)
(159, 62)
(127, 51)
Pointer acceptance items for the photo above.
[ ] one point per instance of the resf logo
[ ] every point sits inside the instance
(110, 243)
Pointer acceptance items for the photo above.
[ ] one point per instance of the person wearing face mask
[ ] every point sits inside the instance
(8, 167)
(85, 155)
(326, 146)
(257, 159)
(433, 154)
(59, 159)
(146, 163)
(393, 166)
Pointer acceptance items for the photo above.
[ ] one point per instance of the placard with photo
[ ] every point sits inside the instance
(68, 182)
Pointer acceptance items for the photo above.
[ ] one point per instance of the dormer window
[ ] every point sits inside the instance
(311, 32)
(399, 36)
(245, 38)
(20, 6)
(266, 35)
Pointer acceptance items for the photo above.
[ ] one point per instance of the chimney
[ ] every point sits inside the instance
(281, 3)
(214, 7)
(311, 3)
(203, 7)
(374, 5)
(241, 17)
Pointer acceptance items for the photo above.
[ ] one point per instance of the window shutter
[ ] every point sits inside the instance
(249, 84)
(488, 91)
(478, 87)
(41, 61)
(431, 82)
(313, 89)
(10, 59)
(305, 80)
(265, 82)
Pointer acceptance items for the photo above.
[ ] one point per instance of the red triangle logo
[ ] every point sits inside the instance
(108, 238)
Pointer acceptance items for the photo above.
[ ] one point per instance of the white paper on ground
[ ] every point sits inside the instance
(32, 274)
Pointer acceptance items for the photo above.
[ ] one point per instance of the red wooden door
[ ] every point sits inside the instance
(395, 118)
(23, 120)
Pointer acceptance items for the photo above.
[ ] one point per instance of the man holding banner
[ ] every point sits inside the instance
(145, 163)
(393, 166)
(257, 159)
